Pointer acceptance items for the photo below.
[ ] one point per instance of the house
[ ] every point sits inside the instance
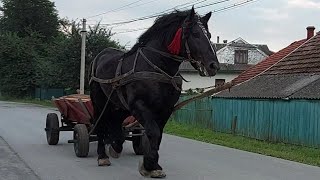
(239, 51)
(281, 102)
(271, 60)
(226, 73)
(234, 57)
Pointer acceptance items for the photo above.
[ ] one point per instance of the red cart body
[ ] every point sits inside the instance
(75, 108)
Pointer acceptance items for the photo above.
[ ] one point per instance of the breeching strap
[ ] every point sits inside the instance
(100, 116)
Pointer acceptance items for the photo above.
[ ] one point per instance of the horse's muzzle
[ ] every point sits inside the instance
(212, 69)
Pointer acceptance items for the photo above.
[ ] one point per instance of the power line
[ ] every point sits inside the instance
(131, 30)
(214, 3)
(185, 5)
(182, 6)
(177, 7)
(236, 5)
(148, 2)
(157, 14)
(116, 9)
(127, 7)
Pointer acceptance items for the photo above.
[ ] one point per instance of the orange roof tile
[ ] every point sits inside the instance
(306, 59)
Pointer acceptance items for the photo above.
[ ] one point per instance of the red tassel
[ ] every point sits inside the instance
(175, 45)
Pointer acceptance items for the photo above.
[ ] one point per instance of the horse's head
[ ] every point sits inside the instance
(196, 39)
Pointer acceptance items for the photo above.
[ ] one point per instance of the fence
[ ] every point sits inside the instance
(288, 121)
(48, 93)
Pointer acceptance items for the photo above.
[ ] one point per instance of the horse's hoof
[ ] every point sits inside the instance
(143, 171)
(113, 153)
(150, 174)
(157, 174)
(104, 162)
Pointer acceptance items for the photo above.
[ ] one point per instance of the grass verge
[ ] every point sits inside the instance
(46, 103)
(285, 151)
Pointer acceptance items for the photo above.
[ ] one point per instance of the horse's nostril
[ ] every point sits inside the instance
(212, 66)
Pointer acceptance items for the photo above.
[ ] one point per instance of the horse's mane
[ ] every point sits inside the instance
(163, 29)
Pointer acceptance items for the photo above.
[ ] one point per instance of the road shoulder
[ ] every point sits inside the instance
(12, 167)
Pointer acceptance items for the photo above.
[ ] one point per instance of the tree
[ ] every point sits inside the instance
(26, 28)
(64, 54)
(28, 16)
(17, 64)
(39, 50)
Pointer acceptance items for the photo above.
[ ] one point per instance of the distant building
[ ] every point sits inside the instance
(279, 98)
(239, 51)
(234, 57)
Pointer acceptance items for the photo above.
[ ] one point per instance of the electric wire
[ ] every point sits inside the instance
(114, 10)
(236, 5)
(158, 14)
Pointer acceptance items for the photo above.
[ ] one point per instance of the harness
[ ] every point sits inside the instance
(132, 76)
(159, 76)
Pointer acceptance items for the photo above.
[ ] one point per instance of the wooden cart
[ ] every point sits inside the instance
(77, 116)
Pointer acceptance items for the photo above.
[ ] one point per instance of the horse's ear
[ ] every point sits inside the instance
(191, 15)
(206, 18)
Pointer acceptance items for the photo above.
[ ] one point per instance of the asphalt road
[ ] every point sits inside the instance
(22, 127)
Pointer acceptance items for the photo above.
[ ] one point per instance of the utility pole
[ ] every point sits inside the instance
(83, 55)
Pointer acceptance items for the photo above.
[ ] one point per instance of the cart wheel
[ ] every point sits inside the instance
(81, 140)
(137, 143)
(52, 128)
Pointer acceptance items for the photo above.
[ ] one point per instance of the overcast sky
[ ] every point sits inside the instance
(276, 23)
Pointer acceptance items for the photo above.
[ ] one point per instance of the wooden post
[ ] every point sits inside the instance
(234, 125)
(83, 56)
(203, 95)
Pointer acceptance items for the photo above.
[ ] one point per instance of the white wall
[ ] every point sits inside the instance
(226, 55)
(196, 81)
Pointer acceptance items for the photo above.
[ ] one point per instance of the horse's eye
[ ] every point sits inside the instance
(196, 34)
(209, 35)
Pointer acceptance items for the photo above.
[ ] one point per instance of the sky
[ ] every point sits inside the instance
(276, 23)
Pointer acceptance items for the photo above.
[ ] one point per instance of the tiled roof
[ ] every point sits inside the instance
(267, 63)
(277, 87)
(264, 48)
(306, 59)
(296, 76)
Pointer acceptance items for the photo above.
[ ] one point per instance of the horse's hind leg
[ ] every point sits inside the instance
(116, 131)
(150, 166)
(98, 100)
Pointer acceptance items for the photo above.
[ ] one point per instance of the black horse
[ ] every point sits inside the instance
(145, 82)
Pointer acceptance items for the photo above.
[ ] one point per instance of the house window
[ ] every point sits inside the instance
(241, 57)
(219, 82)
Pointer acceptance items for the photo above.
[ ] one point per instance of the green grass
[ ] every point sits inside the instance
(285, 151)
(46, 103)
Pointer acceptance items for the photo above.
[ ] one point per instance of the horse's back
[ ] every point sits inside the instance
(106, 63)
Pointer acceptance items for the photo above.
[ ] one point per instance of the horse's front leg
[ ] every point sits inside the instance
(98, 101)
(149, 167)
(103, 159)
